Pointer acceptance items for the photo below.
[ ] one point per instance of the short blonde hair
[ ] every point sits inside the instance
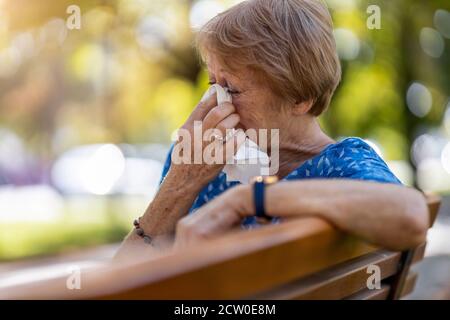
(289, 42)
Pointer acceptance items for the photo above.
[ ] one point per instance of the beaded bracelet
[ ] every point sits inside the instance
(140, 232)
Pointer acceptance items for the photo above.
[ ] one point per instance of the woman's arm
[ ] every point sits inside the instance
(172, 202)
(185, 178)
(388, 215)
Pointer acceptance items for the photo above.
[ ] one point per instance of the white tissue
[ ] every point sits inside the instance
(249, 161)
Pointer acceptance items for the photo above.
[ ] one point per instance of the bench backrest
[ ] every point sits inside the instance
(302, 259)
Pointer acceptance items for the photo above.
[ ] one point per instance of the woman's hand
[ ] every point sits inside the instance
(202, 148)
(216, 217)
(185, 179)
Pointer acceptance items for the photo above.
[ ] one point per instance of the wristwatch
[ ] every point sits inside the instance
(259, 185)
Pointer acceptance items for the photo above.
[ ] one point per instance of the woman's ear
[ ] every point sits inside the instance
(301, 108)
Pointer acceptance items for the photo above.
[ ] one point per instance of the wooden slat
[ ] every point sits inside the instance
(419, 253)
(233, 266)
(338, 282)
(433, 203)
(407, 258)
(236, 278)
(410, 283)
(376, 294)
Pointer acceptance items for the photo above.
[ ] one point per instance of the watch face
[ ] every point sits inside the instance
(257, 179)
(270, 179)
(265, 179)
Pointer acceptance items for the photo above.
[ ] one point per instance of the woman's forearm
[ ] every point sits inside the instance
(392, 216)
(171, 202)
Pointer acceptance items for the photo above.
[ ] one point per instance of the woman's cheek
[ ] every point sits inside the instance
(247, 121)
(238, 105)
(248, 112)
(240, 110)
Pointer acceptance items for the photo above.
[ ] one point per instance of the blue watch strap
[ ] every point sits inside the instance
(258, 196)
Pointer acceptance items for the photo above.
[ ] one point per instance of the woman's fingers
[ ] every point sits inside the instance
(203, 108)
(211, 220)
(217, 114)
(221, 152)
(231, 146)
(223, 128)
(228, 123)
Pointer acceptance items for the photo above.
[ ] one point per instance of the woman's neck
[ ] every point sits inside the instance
(299, 145)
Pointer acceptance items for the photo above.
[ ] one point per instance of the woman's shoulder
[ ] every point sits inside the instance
(350, 148)
(350, 142)
(359, 160)
(351, 158)
(344, 150)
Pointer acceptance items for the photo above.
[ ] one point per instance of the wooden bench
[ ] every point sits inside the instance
(302, 259)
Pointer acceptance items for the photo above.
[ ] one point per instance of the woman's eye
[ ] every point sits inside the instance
(232, 91)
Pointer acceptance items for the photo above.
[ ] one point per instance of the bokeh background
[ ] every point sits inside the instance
(86, 116)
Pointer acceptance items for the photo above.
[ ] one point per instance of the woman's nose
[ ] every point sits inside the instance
(222, 83)
(220, 79)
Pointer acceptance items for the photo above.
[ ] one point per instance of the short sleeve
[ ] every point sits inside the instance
(355, 159)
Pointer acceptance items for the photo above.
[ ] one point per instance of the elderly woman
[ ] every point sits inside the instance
(278, 60)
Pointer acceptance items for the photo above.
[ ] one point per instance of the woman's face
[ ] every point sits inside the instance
(254, 101)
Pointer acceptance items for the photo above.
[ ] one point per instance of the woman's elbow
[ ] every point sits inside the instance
(415, 220)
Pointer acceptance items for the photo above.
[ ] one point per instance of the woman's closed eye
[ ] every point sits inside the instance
(229, 89)
(233, 91)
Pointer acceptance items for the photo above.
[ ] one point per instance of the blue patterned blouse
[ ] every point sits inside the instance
(350, 158)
